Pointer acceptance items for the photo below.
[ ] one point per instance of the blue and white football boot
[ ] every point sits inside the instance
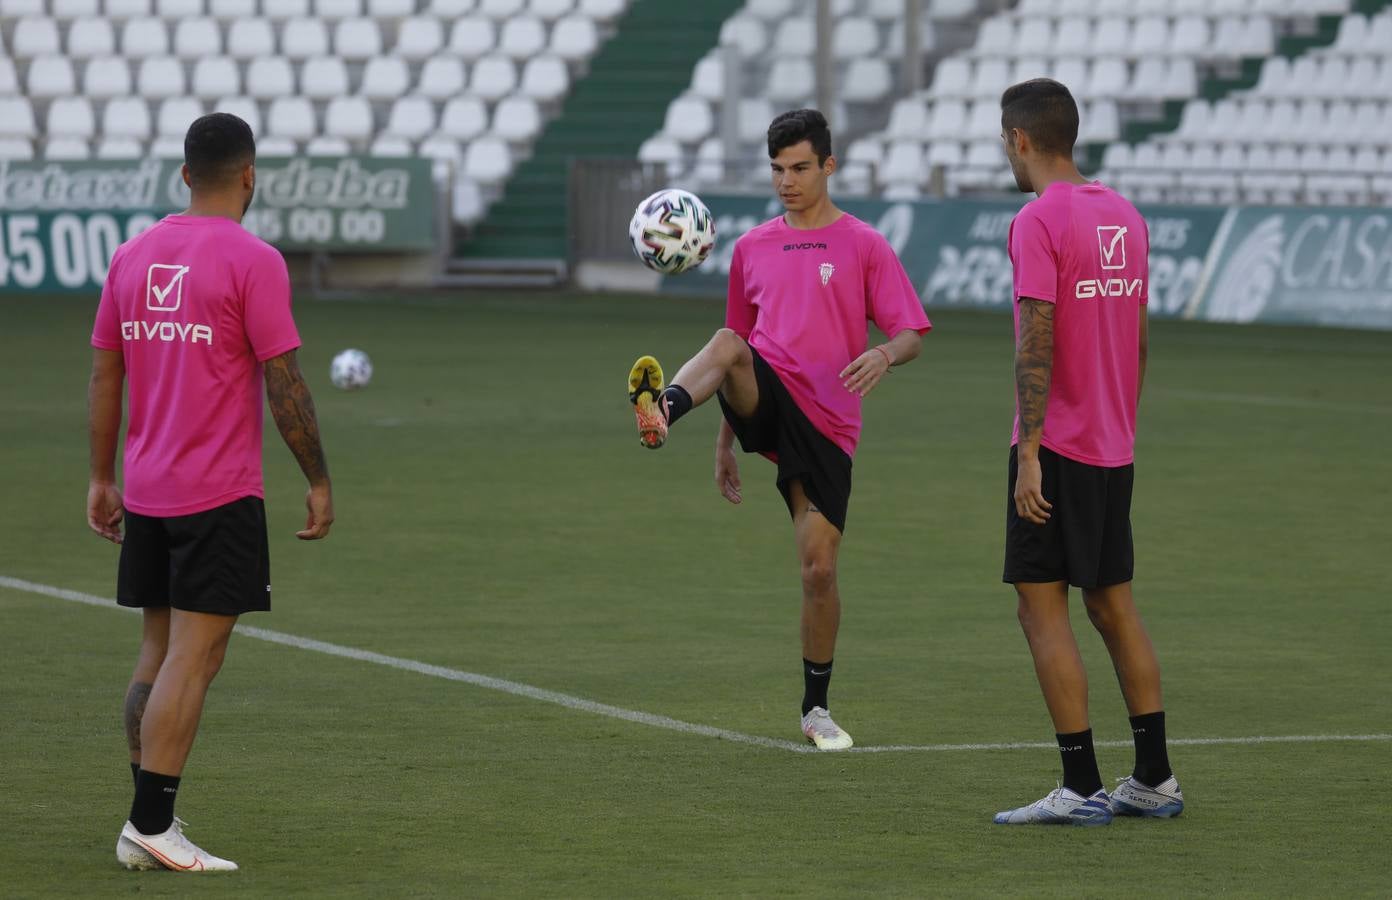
(1132, 798)
(1061, 807)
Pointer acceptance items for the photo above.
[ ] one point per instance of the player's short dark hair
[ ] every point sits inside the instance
(1043, 109)
(792, 128)
(216, 148)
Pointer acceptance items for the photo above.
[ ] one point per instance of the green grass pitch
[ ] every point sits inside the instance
(496, 515)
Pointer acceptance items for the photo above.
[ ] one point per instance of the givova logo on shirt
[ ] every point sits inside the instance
(164, 293)
(1111, 248)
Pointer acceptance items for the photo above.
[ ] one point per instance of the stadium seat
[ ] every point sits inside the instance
(867, 80)
(545, 79)
(232, 10)
(128, 9)
(746, 34)
(386, 145)
(16, 149)
(574, 38)
(522, 38)
(197, 38)
(17, 118)
(269, 77)
(171, 147)
(126, 117)
(388, 77)
(91, 37)
(1074, 72)
(770, 10)
(174, 10)
(349, 118)
(949, 118)
(984, 120)
(662, 151)
(1112, 36)
(34, 37)
(51, 76)
(445, 155)
(550, 10)
(357, 39)
(175, 116)
(327, 146)
(487, 161)
(67, 149)
(419, 37)
(795, 37)
(688, 120)
(302, 38)
(451, 9)
(107, 76)
(291, 117)
(903, 164)
(602, 10)
(71, 117)
(250, 38)
(441, 77)
(144, 37)
(64, 10)
(708, 77)
(284, 10)
(1072, 37)
(466, 206)
(517, 120)
(991, 78)
(244, 108)
(753, 118)
(333, 10)
(1101, 123)
(854, 38)
(952, 78)
(160, 77)
(494, 77)
(996, 37)
(118, 148)
(411, 117)
(20, 8)
(792, 80)
(1190, 36)
(274, 145)
(908, 119)
(1149, 79)
(216, 76)
(473, 37)
(1034, 34)
(944, 153)
(463, 119)
(324, 78)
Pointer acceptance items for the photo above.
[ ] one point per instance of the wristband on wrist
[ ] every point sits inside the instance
(885, 354)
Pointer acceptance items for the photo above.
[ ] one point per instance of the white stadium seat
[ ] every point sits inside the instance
(451, 9)
(171, 147)
(195, 38)
(144, 37)
(160, 77)
(522, 38)
(327, 146)
(1035, 33)
(387, 145)
(291, 117)
(71, 117)
(748, 35)
(908, 119)
(464, 118)
(390, 9)
(984, 121)
(126, 117)
(61, 9)
(501, 10)
(419, 37)
(795, 37)
(244, 108)
(175, 116)
(792, 80)
(303, 38)
(172, 10)
(445, 155)
(1151, 35)
(1074, 36)
(273, 145)
(357, 39)
(250, 38)
(119, 148)
(232, 10)
(602, 10)
(269, 77)
(550, 10)
(494, 77)
(770, 10)
(17, 118)
(91, 37)
(867, 80)
(216, 76)
(948, 118)
(1190, 36)
(67, 149)
(127, 9)
(51, 76)
(441, 77)
(688, 120)
(35, 37)
(411, 117)
(574, 38)
(517, 120)
(853, 38)
(332, 10)
(903, 164)
(487, 161)
(661, 150)
(1075, 73)
(473, 37)
(282, 10)
(21, 8)
(996, 37)
(1112, 36)
(107, 76)
(952, 78)
(324, 78)
(992, 76)
(386, 78)
(545, 79)
(349, 118)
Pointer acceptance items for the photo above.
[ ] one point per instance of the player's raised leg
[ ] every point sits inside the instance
(724, 364)
(1080, 800)
(197, 645)
(818, 543)
(1151, 790)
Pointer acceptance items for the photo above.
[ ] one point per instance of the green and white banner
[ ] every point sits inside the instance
(60, 223)
(1294, 265)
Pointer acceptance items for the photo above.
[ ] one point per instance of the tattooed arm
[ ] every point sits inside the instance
(1034, 364)
(293, 409)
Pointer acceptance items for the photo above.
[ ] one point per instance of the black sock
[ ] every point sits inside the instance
(153, 809)
(676, 401)
(816, 678)
(1152, 759)
(135, 772)
(1080, 773)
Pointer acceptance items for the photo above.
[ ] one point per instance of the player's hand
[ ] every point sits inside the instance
(727, 479)
(105, 510)
(1029, 492)
(319, 502)
(861, 376)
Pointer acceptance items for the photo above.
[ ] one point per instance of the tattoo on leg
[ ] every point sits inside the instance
(136, 699)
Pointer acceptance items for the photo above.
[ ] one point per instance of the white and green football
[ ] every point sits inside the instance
(672, 231)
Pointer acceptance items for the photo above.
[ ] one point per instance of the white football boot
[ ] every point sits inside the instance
(172, 850)
(1132, 798)
(823, 732)
(1061, 807)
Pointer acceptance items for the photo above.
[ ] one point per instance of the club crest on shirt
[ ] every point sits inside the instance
(826, 270)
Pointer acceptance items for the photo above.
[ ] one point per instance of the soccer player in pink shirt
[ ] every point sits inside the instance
(192, 314)
(790, 369)
(1080, 257)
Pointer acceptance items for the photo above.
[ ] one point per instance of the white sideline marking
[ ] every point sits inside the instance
(631, 715)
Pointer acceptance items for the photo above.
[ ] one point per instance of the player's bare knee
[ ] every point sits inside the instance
(819, 573)
(1101, 613)
(732, 347)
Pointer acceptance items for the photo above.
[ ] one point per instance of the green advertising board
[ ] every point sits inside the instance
(60, 223)
(954, 250)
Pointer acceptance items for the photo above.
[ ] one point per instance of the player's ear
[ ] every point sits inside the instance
(249, 176)
(188, 182)
(829, 166)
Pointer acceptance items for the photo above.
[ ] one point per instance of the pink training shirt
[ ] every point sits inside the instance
(195, 305)
(803, 299)
(1085, 249)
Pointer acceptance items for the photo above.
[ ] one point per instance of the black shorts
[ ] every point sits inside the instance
(215, 561)
(781, 430)
(1087, 540)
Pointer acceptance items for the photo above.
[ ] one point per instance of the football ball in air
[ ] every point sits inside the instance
(672, 231)
(350, 370)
